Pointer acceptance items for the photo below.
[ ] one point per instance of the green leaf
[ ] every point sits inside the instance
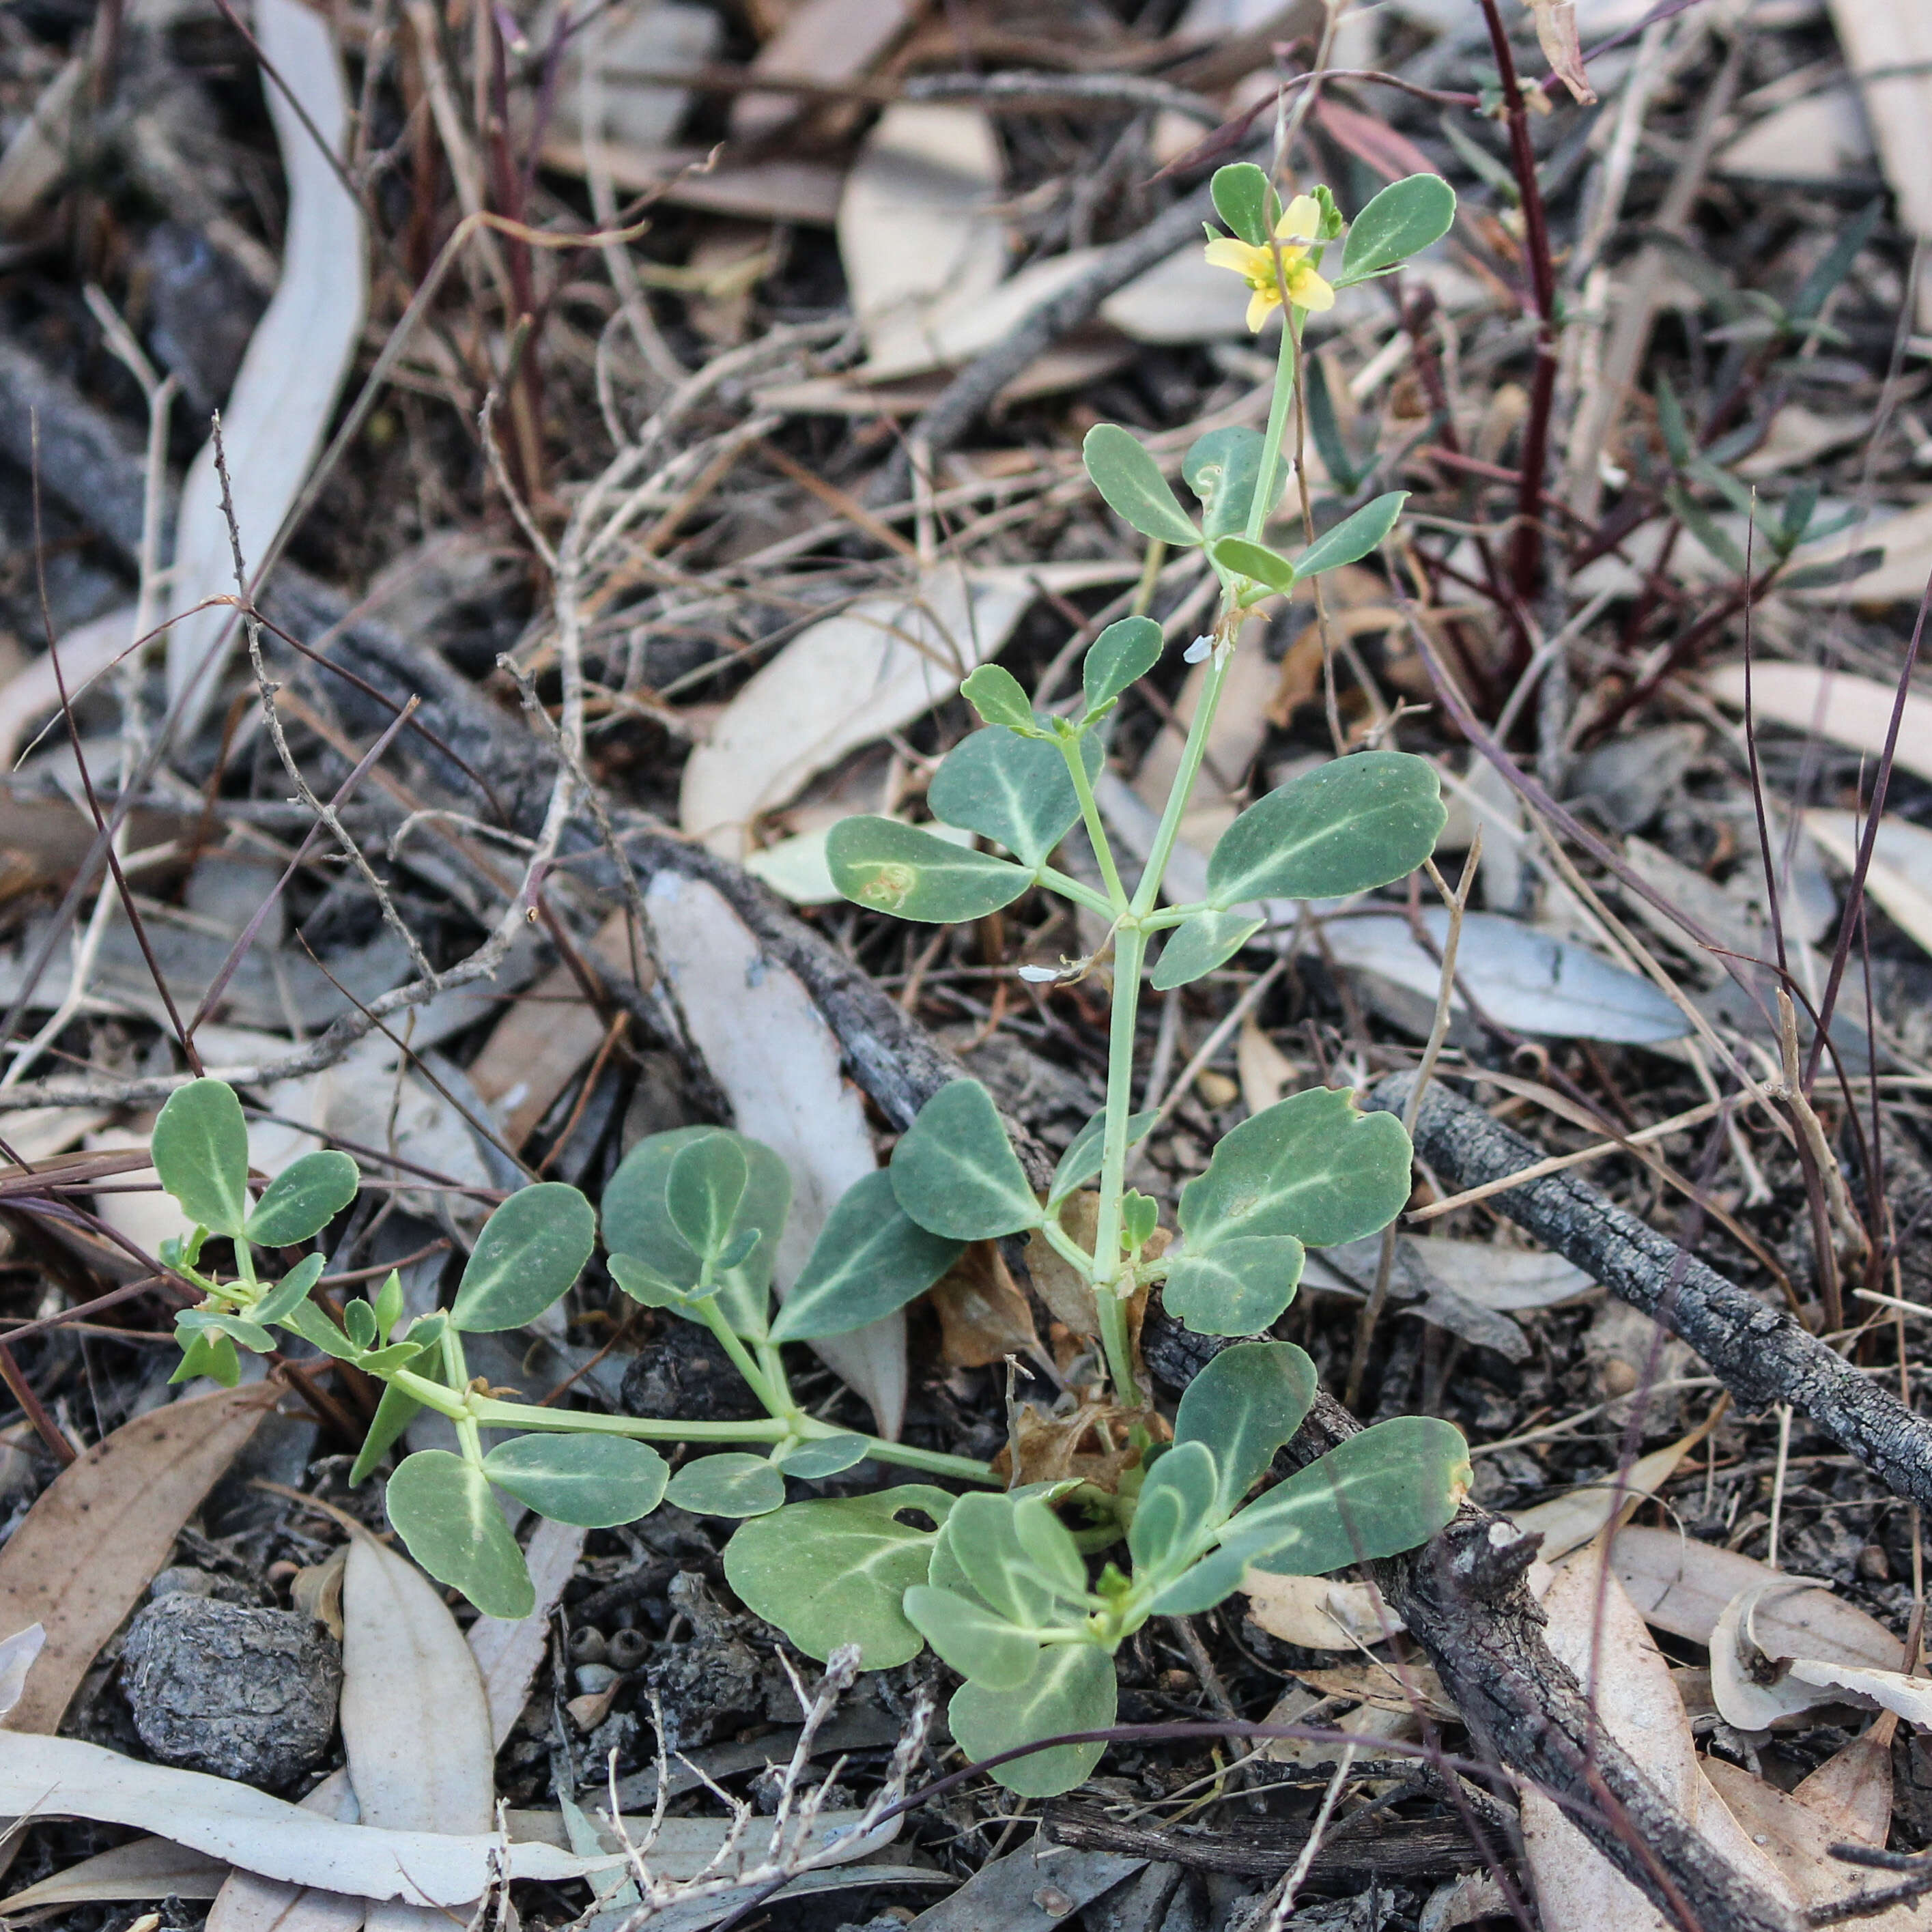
(394, 1413)
(1240, 558)
(1236, 1287)
(1244, 1405)
(999, 698)
(1325, 427)
(1140, 1216)
(1245, 200)
(836, 1571)
(1670, 421)
(1017, 790)
(303, 1199)
(1087, 1151)
(293, 1289)
(207, 1353)
(1381, 1492)
(1834, 266)
(728, 1485)
(1016, 1557)
(1841, 570)
(653, 1263)
(1312, 1166)
(359, 1323)
(1201, 943)
(1351, 824)
(955, 1173)
(389, 1304)
(1705, 528)
(1071, 1688)
(530, 1251)
(889, 867)
(870, 1257)
(251, 1335)
(200, 1149)
(1222, 468)
(977, 1644)
(1177, 1513)
(314, 1326)
(442, 1508)
(1405, 217)
(594, 1481)
(1354, 537)
(703, 1192)
(822, 1455)
(1124, 652)
(1130, 481)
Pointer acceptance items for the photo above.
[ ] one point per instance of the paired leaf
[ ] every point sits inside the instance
(1245, 200)
(1240, 558)
(837, 1571)
(1071, 1688)
(871, 1258)
(1017, 790)
(200, 1149)
(1013, 1555)
(1407, 216)
(206, 1353)
(290, 1291)
(889, 867)
(1088, 1150)
(1349, 825)
(955, 1173)
(1312, 1166)
(1201, 943)
(1244, 1405)
(976, 1643)
(1354, 537)
(999, 698)
(1237, 1287)
(530, 1251)
(1223, 468)
(733, 1485)
(594, 1481)
(703, 1192)
(823, 1456)
(442, 1509)
(1124, 652)
(1129, 480)
(1177, 1513)
(303, 1199)
(394, 1413)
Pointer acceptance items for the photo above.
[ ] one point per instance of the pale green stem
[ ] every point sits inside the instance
(1071, 750)
(1130, 951)
(1277, 423)
(773, 1366)
(1077, 890)
(1191, 754)
(1065, 1247)
(457, 1370)
(713, 1318)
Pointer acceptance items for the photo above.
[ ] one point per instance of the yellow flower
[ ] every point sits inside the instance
(1294, 234)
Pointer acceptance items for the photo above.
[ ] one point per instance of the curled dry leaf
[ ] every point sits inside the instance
(983, 1317)
(1852, 1789)
(1759, 1674)
(1556, 34)
(146, 1868)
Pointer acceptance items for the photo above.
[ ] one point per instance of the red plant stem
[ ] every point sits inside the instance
(1526, 547)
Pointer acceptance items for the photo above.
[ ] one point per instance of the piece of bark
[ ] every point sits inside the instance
(1760, 1353)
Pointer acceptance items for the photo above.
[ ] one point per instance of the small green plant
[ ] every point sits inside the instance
(997, 1581)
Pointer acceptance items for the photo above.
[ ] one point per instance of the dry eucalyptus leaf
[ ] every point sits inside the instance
(247, 1902)
(1410, 1687)
(1566, 1522)
(1088, 1443)
(1757, 1678)
(1266, 1073)
(146, 1868)
(317, 1591)
(1319, 1612)
(1899, 876)
(1851, 1791)
(509, 1654)
(1850, 710)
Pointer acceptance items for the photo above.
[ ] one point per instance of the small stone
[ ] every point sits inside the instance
(595, 1677)
(1051, 1900)
(242, 1693)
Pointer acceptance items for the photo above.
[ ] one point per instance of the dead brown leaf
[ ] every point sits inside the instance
(983, 1317)
(1556, 33)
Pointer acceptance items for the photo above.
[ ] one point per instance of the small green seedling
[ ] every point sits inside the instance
(999, 1581)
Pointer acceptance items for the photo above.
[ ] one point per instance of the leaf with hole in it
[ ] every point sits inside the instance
(836, 1571)
(1201, 943)
(1175, 1516)
(1238, 1287)
(594, 1481)
(1407, 216)
(290, 1291)
(1377, 1494)
(703, 1192)
(999, 698)
(1240, 558)
(1130, 482)
(653, 1263)
(1245, 200)
(822, 1455)
(200, 1149)
(303, 1199)
(1071, 1688)
(530, 1251)
(1222, 468)
(1347, 826)
(1088, 1150)
(1313, 1166)
(1017, 790)
(394, 1413)
(955, 1172)
(442, 1509)
(979, 1645)
(871, 1258)
(888, 867)
(1354, 537)
(1125, 651)
(1244, 1405)
(731, 1485)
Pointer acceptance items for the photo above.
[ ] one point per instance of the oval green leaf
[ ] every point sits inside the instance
(1406, 217)
(703, 1192)
(291, 1291)
(821, 1456)
(1071, 1688)
(871, 1258)
(594, 1481)
(1088, 1150)
(836, 1571)
(1237, 1288)
(1200, 943)
(1354, 537)
(733, 1485)
(303, 1199)
(1130, 481)
(1347, 826)
(200, 1149)
(1245, 200)
(992, 1652)
(1240, 558)
(955, 1173)
(1175, 1516)
(879, 863)
(442, 1508)
(1124, 652)
(999, 698)
(1244, 1405)
(394, 1413)
(1313, 1166)
(530, 1251)
(1017, 790)
(1222, 468)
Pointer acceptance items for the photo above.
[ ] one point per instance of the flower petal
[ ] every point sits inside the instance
(1300, 220)
(1307, 290)
(1225, 251)
(1259, 304)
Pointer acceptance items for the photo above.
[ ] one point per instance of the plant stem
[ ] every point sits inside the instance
(1130, 951)
(713, 1318)
(1077, 890)
(1277, 425)
(468, 1438)
(1072, 750)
